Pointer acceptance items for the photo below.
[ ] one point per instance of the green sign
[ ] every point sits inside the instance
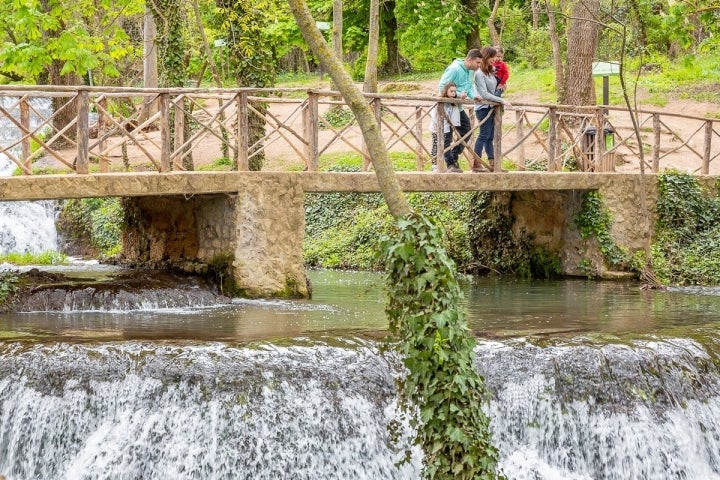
(603, 69)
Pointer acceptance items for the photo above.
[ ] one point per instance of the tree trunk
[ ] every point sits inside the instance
(393, 194)
(494, 37)
(557, 53)
(337, 30)
(393, 65)
(582, 40)
(150, 67)
(535, 14)
(370, 84)
(472, 39)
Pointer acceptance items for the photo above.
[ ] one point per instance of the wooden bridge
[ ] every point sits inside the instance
(146, 145)
(101, 129)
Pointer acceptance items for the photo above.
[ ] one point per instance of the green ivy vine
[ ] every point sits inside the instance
(442, 393)
(8, 286)
(686, 247)
(594, 221)
(495, 247)
(244, 23)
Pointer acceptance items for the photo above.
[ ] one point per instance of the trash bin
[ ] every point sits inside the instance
(589, 145)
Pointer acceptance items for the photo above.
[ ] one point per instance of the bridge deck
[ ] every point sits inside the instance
(41, 187)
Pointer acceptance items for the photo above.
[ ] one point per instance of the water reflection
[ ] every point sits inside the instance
(352, 303)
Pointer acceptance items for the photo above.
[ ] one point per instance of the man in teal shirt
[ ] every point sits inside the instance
(461, 73)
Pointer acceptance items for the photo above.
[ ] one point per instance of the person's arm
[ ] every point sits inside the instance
(482, 90)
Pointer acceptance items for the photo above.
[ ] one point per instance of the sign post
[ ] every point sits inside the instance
(605, 69)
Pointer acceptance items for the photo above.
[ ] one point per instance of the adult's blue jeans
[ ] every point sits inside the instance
(487, 133)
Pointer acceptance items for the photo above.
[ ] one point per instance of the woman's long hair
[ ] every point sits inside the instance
(488, 55)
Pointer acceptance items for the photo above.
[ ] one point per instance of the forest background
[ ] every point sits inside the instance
(248, 43)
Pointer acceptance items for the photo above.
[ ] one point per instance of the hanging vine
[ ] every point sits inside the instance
(441, 382)
(171, 45)
(253, 61)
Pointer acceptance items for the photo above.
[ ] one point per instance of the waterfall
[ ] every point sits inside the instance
(647, 410)
(131, 410)
(142, 411)
(24, 226)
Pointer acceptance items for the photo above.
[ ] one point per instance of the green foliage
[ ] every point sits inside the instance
(343, 230)
(80, 36)
(8, 286)
(442, 393)
(686, 249)
(99, 220)
(436, 32)
(338, 117)
(222, 163)
(47, 257)
(494, 247)
(594, 221)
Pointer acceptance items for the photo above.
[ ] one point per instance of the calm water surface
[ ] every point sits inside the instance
(352, 303)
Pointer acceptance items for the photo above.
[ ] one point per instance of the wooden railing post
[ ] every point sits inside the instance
(165, 147)
(440, 137)
(418, 139)
(25, 122)
(179, 130)
(705, 170)
(601, 162)
(520, 133)
(243, 135)
(552, 140)
(82, 161)
(104, 165)
(656, 143)
(497, 137)
(310, 131)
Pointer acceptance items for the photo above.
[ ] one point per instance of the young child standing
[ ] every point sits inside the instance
(449, 120)
(502, 72)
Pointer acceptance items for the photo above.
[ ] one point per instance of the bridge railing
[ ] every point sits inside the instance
(104, 129)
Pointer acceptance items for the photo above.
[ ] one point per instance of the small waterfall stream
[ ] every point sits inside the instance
(140, 411)
(318, 410)
(24, 226)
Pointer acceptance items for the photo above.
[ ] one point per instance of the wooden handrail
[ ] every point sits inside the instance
(551, 133)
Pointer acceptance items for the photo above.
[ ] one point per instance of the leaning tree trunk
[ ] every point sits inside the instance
(582, 41)
(393, 194)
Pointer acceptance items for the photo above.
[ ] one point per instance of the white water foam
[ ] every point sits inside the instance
(25, 227)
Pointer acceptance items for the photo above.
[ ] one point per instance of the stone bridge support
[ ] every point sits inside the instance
(257, 233)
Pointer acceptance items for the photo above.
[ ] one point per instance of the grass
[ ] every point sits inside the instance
(693, 77)
(348, 161)
(44, 258)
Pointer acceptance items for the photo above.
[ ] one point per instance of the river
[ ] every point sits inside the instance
(589, 380)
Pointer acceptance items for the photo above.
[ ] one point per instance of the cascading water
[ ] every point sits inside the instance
(647, 410)
(140, 411)
(629, 393)
(24, 226)
(135, 410)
